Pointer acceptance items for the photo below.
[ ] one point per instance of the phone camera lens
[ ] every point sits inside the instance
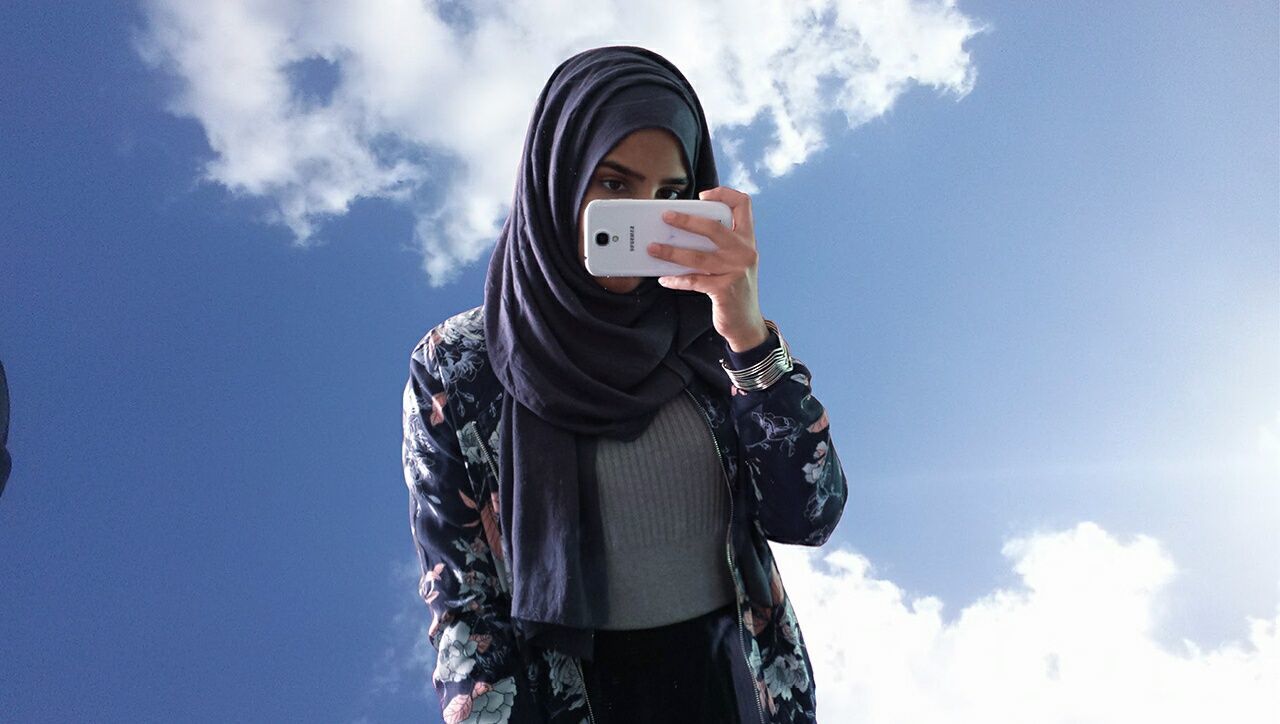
(602, 238)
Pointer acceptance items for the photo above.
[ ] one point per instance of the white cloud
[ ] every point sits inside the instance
(455, 83)
(1075, 642)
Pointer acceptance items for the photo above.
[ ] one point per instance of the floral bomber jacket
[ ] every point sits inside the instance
(786, 485)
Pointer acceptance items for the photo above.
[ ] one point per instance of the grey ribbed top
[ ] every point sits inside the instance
(665, 510)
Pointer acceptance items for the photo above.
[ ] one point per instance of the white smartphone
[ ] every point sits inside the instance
(618, 233)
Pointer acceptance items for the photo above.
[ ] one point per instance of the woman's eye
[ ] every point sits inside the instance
(612, 184)
(672, 193)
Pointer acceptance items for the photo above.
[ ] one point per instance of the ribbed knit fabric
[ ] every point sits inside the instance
(665, 511)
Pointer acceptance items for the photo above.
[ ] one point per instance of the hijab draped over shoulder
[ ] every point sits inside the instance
(577, 360)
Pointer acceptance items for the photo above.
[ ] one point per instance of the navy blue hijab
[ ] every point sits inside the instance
(577, 360)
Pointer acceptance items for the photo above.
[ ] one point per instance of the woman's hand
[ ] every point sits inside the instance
(728, 275)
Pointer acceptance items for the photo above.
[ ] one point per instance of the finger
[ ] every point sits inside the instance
(739, 204)
(710, 228)
(707, 262)
(710, 284)
(684, 282)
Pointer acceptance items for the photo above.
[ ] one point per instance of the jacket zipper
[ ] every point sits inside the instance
(484, 451)
(728, 548)
(583, 678)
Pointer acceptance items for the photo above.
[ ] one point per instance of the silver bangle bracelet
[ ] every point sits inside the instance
(765, 372)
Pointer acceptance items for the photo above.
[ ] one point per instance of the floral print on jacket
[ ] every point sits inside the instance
(786, 483)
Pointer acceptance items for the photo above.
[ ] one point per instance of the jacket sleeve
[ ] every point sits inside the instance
(785, 443)
(478, 673)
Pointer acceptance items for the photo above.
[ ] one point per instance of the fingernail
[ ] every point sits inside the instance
(668, 215)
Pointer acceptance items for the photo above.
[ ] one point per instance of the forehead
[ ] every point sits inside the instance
(652, 148)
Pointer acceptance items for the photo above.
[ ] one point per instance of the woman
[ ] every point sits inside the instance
(596, 465)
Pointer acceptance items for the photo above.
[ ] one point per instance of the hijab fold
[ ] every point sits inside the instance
(577, 360)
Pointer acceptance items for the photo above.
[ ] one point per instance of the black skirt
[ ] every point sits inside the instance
(682, 672)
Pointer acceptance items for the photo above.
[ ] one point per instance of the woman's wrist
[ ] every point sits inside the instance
(751, 340)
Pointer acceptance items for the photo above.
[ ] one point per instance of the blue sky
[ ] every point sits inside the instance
(1050, 300)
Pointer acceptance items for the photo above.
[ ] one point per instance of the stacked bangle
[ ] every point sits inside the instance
(765, 372)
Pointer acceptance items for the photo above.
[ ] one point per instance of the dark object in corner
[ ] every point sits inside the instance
(6, 463)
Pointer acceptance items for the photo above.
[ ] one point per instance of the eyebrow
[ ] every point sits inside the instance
(674, 181)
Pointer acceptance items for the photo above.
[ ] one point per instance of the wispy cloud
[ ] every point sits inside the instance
(427, 102)
(1269, 444)
(1075, 641)
(407, 658)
